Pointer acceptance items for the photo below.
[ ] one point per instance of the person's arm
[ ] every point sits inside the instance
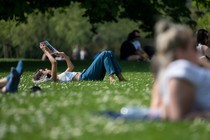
(52, 61)
(143, 54)
(206, 51)
(204, 64)
(70, 66)
(156, 101)
(44, 57)
(181, 98)
(201, 115)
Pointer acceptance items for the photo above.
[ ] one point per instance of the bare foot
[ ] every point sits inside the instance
(112, 79)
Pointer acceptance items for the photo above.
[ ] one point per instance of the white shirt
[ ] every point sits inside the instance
(200, 50)
(137, 45)
(199, 77)
(66, 76)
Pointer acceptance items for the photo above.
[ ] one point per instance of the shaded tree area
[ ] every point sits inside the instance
(67, 23)
(146, 12)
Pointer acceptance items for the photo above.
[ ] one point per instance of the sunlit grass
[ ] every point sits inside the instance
(69, 110)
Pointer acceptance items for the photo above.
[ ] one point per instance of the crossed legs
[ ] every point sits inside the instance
(104, 62)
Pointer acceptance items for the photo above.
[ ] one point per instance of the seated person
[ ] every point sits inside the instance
(131, 48)
(10, 83)
(202, 44)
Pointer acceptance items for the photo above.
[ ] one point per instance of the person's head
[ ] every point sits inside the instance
(41, 75)
(202, 37)
(134, 35)
(174, 41)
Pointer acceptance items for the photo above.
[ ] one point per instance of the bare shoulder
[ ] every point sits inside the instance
(205, 47)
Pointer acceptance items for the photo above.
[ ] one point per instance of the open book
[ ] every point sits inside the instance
(50, 47)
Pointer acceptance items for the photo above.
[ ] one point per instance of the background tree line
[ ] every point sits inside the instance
(65, 31)
(94, 25)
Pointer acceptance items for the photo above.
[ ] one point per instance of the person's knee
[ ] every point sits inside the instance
(107, 53)
(110, 52)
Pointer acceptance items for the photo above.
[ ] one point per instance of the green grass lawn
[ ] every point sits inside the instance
(68, 110)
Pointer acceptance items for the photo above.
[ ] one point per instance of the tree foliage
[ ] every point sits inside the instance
(65, 30)
(66, 24)
(17, 9)
(145, 12)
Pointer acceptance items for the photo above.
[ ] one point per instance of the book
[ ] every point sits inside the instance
(50, 46)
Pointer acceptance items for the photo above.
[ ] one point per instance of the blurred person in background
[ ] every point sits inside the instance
(202, 44)
(83, 53)
(131, 49)
(76, 53)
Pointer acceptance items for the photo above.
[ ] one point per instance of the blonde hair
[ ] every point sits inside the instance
(169, 38)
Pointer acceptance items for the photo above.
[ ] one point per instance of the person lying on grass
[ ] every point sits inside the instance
(182, 86)
(10, 83)
(104, 62)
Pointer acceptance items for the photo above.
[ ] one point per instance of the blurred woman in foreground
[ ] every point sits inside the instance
(182, 86)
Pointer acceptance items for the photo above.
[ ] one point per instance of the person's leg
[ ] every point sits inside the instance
(19, 67)
(134, 57)
(96, 71)
(115, 62)
(112, 78)
(12, 84)
(117, 66)
(99, 67)
(3, 82)
(112, 66)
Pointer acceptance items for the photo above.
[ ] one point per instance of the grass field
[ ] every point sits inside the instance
(68, 110)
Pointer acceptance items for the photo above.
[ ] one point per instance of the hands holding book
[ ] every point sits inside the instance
(43, 46)
(46, 46)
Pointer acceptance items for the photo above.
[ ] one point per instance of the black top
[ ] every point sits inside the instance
(127, 49)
